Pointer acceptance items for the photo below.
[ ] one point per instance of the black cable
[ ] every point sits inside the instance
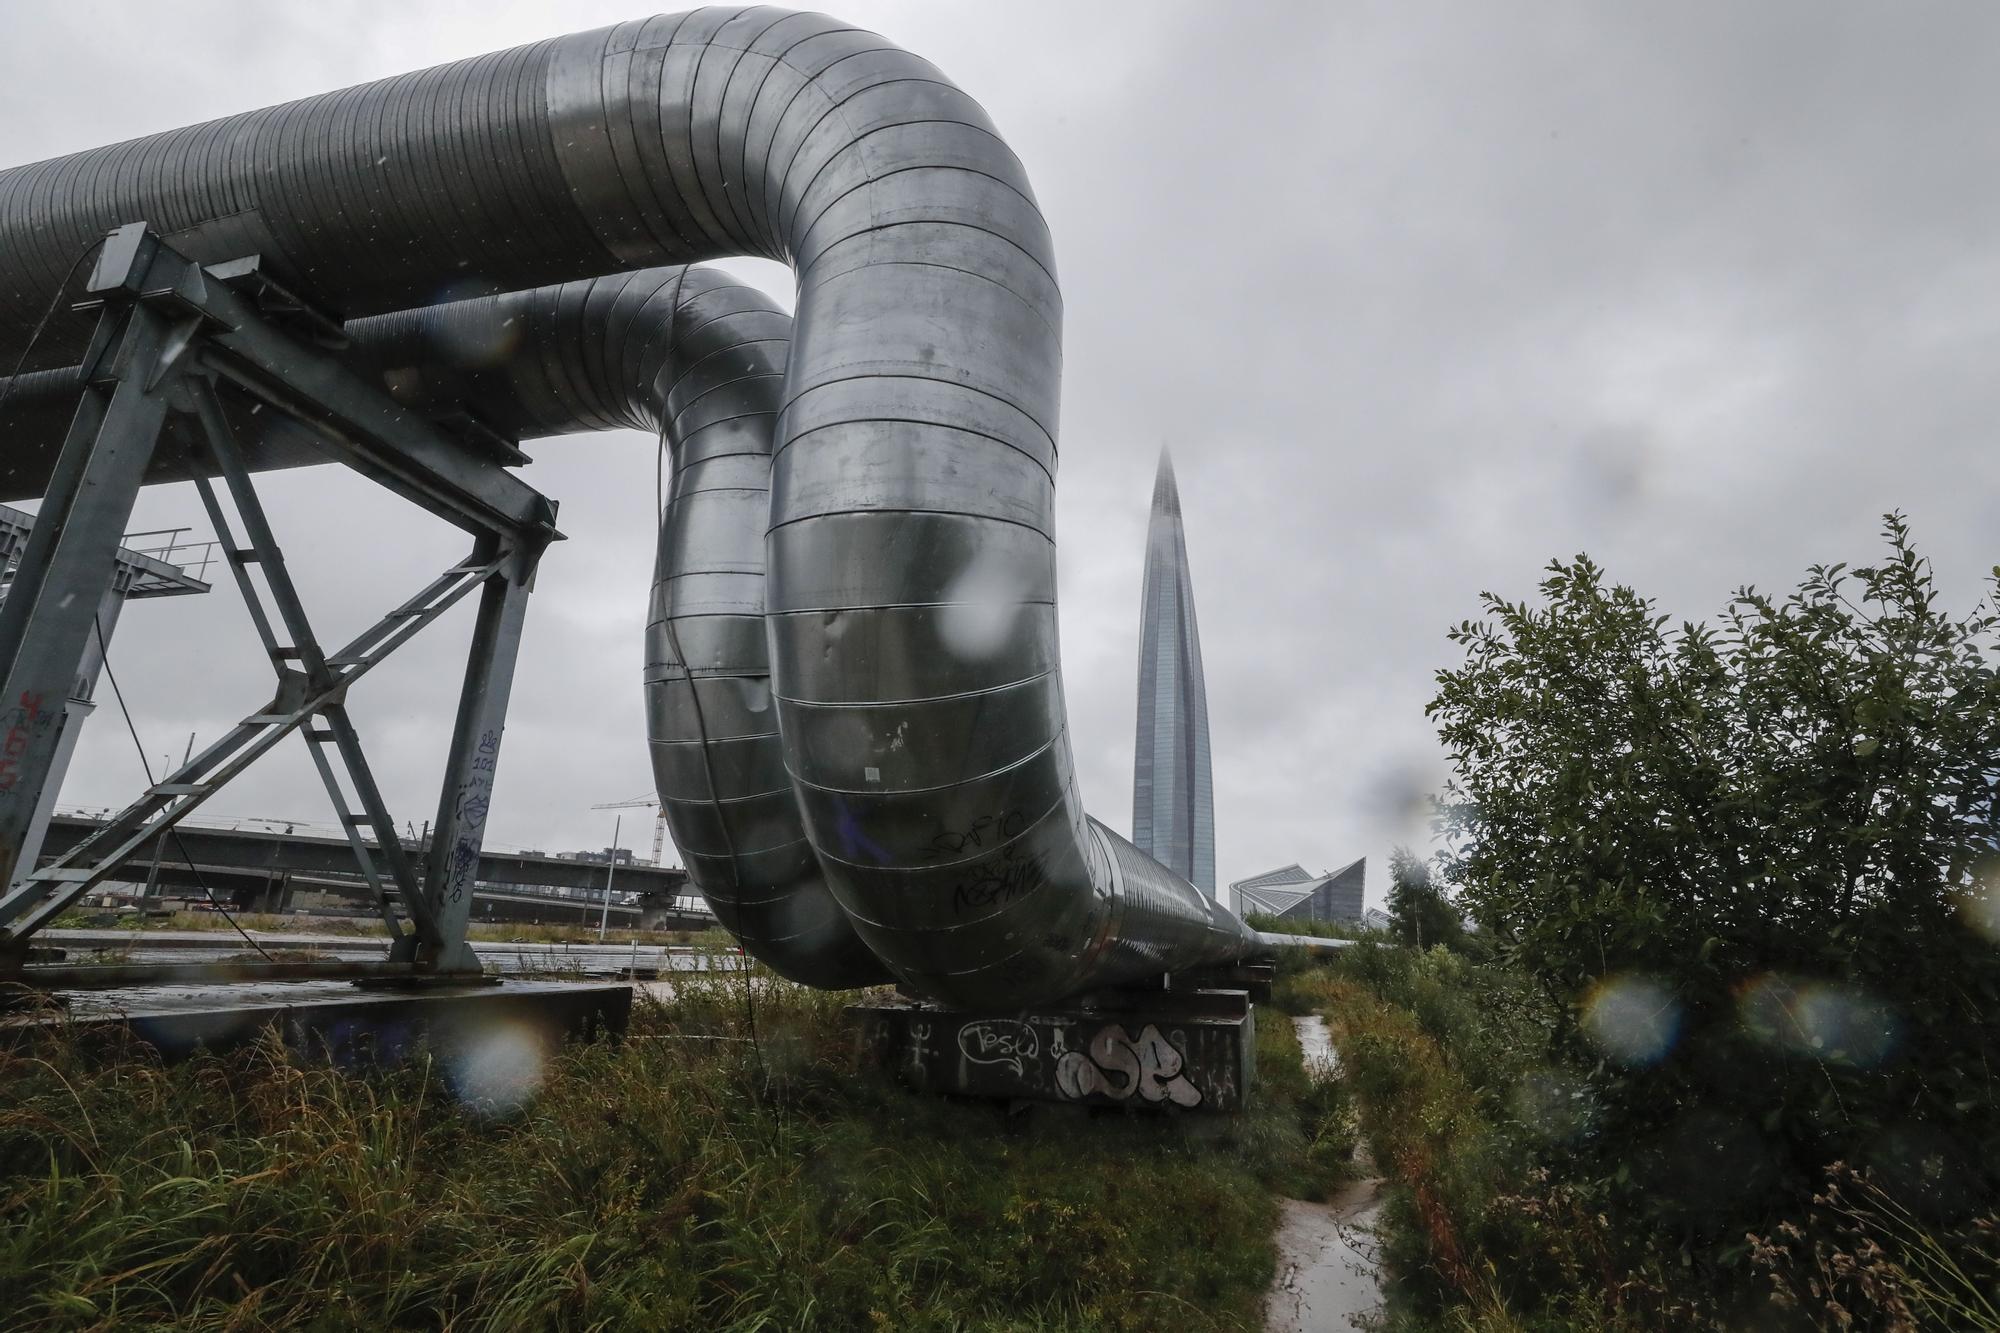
(104, 652)
(42, 324)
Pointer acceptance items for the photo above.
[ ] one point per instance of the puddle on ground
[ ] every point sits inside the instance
(1327, 1279)
(1316, 1046)
(1326, 1264)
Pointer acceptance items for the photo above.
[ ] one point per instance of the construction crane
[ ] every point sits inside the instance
(659, 818)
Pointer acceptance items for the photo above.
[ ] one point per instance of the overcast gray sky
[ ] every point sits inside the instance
(1420, 295)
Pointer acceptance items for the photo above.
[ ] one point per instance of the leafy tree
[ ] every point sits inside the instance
(1420, 914)
(1750, 860)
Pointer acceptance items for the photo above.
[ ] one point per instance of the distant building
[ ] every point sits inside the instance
(623, 856)
(1273, 891)
(1173, 796)
(1292, 892)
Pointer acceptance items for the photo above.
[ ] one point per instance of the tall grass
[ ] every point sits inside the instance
(519, 932)
(685, 1177)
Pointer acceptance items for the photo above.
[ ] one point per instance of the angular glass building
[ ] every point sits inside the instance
(1290, 891)
(1173, 798)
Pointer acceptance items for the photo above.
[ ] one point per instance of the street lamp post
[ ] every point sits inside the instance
(610, 872)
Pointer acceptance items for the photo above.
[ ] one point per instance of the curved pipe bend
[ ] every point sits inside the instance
(698, 359)
(910, 586)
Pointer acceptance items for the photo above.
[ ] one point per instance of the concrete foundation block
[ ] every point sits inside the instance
(1148, 1050)
(457, 1023)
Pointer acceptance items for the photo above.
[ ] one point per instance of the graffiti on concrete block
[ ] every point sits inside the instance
(1119, 1067)
(1000, 1041)
(1186, 1062)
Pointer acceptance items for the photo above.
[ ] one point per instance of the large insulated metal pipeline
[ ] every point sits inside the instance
(698, 359)
(904, 586)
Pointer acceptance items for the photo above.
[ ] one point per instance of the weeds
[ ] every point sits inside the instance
(666, 1181)
(512, 932)
(1505, 1213)
(1862, 1260)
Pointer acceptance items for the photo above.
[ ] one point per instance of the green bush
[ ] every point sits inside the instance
(1476, 1229)
(1326, 930)
(1750, 867)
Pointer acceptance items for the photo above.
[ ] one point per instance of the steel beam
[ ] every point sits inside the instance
(70, 560)
(238, 561)
(77, 708)
(354, 421)
(39, 897)
(459, 831)
(303, 648)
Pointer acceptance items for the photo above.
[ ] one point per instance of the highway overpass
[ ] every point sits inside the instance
(267, 870)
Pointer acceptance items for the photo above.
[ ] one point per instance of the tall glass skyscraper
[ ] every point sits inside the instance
(1173, 797)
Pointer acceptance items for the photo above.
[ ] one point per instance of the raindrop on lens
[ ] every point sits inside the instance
(1552, 1104)
(1979, 903)
(982, 605)
(501, 1069)
(1820, 1020)
(1634, 1020)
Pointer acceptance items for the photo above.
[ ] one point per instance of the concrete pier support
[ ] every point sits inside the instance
(1148, 1050)
(459, 1024)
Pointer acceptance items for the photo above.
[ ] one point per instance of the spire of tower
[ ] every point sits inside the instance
(1166, 491)
(1173, 801)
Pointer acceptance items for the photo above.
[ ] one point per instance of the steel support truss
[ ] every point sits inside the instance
(175, 337)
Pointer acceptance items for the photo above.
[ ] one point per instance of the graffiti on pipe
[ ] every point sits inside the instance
(997, 881)
(1120, 1067)
(973, 837)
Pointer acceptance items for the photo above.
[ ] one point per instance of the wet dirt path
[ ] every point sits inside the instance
(1327, 1279)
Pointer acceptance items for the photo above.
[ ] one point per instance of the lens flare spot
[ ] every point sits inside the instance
(478, 339)
(498, 1070)
(1634, 1020)
(1764, 1008)
(1845, 1025)
(981, 608)
(1979, 904)
(1827, 1022)
(1553, 1105)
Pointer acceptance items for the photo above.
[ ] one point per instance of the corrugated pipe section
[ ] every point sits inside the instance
(909, 595)
(698, 358)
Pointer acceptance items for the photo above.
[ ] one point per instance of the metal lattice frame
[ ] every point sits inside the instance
(174, 337)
